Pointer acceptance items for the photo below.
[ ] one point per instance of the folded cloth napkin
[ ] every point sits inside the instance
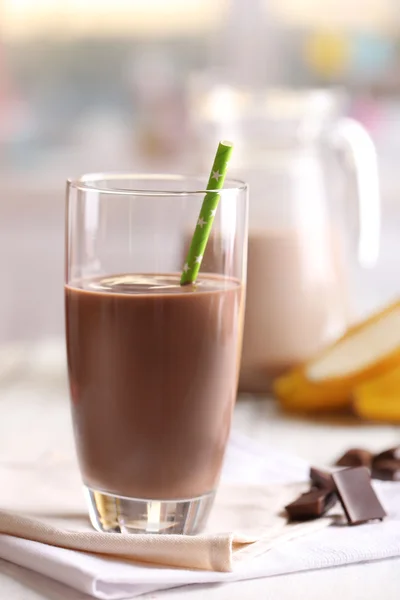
(257, 508)
(61, 546)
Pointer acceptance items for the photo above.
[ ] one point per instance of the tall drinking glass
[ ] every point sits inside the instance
(153, 366)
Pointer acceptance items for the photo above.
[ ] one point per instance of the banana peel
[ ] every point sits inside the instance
(365, 352)
(379, 399)
(297, 393)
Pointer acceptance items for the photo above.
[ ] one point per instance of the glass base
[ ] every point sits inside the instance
(118, 514)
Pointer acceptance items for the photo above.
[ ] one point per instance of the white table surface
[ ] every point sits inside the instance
(35, 426)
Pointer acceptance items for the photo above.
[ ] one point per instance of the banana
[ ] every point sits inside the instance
(326, 382)
(379, 399)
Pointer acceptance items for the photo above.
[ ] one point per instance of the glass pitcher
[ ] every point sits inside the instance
(303, 163)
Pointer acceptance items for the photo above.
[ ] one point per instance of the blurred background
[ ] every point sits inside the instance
(126, 84)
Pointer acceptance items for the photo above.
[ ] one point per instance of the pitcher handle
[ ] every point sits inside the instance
(351, 137)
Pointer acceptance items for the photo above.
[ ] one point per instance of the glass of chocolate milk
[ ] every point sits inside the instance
(153, 365)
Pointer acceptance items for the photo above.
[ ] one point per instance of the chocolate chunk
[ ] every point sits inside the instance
(321, 479)
(311, 505)
(386, 469)
(357, 496)
(356, 457)
(391, 454)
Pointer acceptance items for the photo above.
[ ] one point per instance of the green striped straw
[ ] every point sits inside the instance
(208, 210)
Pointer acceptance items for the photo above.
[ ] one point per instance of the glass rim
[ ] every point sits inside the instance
(88, 182)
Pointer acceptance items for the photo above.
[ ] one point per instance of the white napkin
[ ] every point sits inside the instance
(110, 579)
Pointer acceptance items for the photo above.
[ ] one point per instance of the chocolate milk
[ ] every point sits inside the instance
(295, 302)
(153, 376)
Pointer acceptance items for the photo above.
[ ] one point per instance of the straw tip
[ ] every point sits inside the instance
(226, 143)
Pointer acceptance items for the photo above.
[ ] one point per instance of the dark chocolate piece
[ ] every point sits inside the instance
(357, 496)
(391, 454)
(356, 457)
(321, 479)
(386, 469)
(311, 505)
